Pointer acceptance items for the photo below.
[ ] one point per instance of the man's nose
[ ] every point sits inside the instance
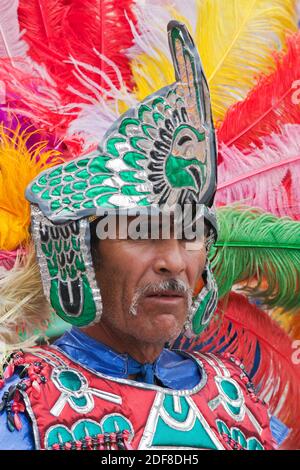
(170, 257)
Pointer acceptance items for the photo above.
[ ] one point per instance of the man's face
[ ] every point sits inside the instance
(146, 285)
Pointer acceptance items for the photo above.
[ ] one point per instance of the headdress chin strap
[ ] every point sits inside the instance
(203, 306)
(67, 271)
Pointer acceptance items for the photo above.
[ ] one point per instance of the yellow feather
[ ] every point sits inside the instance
(18, 166)
(235, 39)
(289, 321)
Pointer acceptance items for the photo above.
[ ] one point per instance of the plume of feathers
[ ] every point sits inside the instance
(266, 176)
(273, 102)
(19, 164)
(57, 31)
(11, 42)
(235, 40)
(31, 95)
(98, 110)
(261, 253)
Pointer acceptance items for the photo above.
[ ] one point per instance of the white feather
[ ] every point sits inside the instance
(92, 123)
(152, 19)
(11, 42)
(99, 109)
(256, 177)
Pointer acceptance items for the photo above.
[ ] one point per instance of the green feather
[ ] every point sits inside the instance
(262, 252)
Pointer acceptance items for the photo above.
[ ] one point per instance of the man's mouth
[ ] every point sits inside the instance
(166, 297)
(169, 293)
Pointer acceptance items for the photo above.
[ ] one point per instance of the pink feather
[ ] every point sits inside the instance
(8, 258)
(30, 93)
(267, 176)
(11, 42)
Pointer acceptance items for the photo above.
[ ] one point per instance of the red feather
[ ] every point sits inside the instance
(42, 20)
(274, 101)
(57, 31)
(238, 327)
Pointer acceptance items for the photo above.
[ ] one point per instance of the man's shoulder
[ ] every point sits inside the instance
(226, 368)
(233, 398)
(223, 364)
(232, 380)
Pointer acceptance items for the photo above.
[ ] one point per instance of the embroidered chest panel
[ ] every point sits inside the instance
(74, 408)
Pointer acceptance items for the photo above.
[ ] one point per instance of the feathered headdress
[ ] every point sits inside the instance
(69, 69)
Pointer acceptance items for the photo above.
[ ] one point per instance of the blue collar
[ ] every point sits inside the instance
(171, 369)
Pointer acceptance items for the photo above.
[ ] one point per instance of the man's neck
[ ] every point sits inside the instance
(142, 352)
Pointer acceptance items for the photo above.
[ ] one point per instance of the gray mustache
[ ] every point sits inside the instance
(175, 285)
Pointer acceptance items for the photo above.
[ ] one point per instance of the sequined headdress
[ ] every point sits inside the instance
(65, 79)
(157, 154)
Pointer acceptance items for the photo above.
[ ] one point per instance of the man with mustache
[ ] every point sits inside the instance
(113, 381)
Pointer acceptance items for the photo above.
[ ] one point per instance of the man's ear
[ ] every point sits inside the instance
(189, 71)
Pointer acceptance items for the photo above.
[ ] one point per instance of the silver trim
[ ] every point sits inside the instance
(157, 388)
(84, 236)
(35, 429)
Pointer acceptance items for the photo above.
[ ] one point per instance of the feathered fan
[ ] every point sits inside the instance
(234, 38)
(256, 252)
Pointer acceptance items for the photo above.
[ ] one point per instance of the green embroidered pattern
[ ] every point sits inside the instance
(180, 428)
(154, 156)
(185, 140)
(160, 152)
(70, 380)
(175, 421)
(252, 443)
(232, 392)
(63, 254)
(197, 322)
(60, 434)
(204, 306)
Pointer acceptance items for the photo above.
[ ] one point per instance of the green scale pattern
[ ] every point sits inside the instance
(138, 163)
(70, 292)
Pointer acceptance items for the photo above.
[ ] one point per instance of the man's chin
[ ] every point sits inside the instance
(164, 328)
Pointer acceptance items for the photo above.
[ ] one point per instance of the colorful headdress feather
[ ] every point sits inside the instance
(75, 92)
